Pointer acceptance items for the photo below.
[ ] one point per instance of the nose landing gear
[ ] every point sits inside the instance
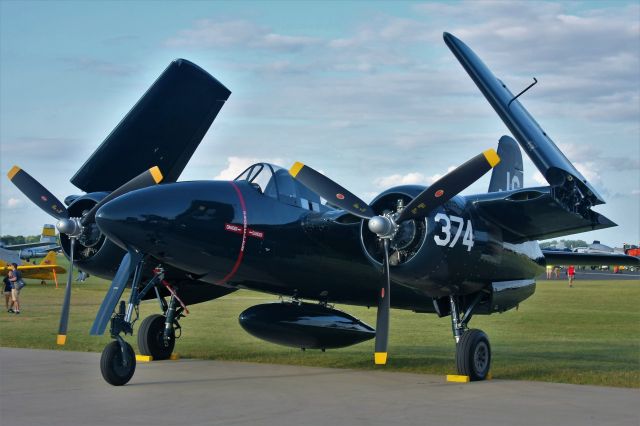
(157, 333)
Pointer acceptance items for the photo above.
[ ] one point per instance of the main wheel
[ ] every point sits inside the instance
(112, 365)
(473, 355)
(151, 338)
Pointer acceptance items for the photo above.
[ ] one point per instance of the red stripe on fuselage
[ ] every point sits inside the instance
(244, 236)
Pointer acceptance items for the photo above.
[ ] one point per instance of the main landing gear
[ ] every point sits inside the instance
(473, 351)
(157, 333)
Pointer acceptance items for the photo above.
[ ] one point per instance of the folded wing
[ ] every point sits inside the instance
(163, 129)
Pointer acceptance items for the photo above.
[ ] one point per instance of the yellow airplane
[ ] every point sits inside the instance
(45, 270)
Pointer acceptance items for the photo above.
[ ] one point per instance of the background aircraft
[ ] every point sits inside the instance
(434, 250)
(48, 242)
(47, 270)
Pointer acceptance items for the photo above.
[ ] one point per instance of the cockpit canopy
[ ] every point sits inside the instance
(276, 182)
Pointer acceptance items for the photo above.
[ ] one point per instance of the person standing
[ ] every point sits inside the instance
(549, 271)
(8, 303)
(15, 277)
(571, 273)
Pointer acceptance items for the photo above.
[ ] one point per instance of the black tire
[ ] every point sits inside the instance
(112, 367)
(473, 355)
(151, 338)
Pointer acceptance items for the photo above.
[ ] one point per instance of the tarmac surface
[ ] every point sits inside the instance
(40, 387)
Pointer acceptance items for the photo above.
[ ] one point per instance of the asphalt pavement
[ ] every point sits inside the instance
(39, 387)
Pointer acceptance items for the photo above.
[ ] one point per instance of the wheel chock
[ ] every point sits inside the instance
(144, 358)
(174, 357)
(464, 379)
(458, 379)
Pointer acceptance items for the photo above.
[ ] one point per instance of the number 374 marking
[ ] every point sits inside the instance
(446, 220)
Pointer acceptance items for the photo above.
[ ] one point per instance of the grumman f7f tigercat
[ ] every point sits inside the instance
(429, 250)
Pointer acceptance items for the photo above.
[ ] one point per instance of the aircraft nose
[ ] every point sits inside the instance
(118, 219)
(174, 220)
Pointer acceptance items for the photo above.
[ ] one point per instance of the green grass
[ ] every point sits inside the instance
(584, 335)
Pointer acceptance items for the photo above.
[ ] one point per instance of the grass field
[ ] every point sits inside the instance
(584, 335)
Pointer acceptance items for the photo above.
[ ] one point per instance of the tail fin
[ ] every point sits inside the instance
(50, 259)
(48, 234)
(508, 174)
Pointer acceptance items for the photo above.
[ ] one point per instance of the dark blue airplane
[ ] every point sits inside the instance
(429, 250)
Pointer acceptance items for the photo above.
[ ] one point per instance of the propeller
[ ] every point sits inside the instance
(73, 227)
(386, 225)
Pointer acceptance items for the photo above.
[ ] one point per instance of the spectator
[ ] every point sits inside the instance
(15, 277)
(8, 303)
(571, 273)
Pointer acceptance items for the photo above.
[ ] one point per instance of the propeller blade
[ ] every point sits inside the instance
(64, 315)
(384, 306)
(331, 191)
(37, 193)
(147, 178)
(449, 185)
(119, 283)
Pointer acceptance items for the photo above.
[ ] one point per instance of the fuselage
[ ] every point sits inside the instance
(230, 233)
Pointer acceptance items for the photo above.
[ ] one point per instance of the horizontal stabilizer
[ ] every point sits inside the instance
(549, 160)
(560, 258)
(163, 129)
(534, 214)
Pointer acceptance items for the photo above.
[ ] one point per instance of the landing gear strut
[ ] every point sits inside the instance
(156, 335)
(473, 351)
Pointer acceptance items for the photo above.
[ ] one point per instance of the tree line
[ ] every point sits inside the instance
(9, 240)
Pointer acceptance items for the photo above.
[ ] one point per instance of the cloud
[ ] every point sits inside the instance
(539, 179)
(13, 203)
(209, 34)
(413, 178)
(236, 165)
(593, 159)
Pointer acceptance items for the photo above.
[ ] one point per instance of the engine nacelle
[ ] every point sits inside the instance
(94, 253)
(415, 259)
(410, 236)
(304, 325)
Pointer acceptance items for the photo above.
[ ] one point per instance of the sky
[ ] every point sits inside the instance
(366, 92)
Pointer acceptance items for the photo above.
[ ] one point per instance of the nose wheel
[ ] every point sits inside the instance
(118, 363)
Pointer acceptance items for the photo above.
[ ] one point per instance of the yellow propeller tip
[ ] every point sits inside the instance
(14, 171)
(156, 174)
(61, 339)
(295, 169)
(492, 157)
(380, 358)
